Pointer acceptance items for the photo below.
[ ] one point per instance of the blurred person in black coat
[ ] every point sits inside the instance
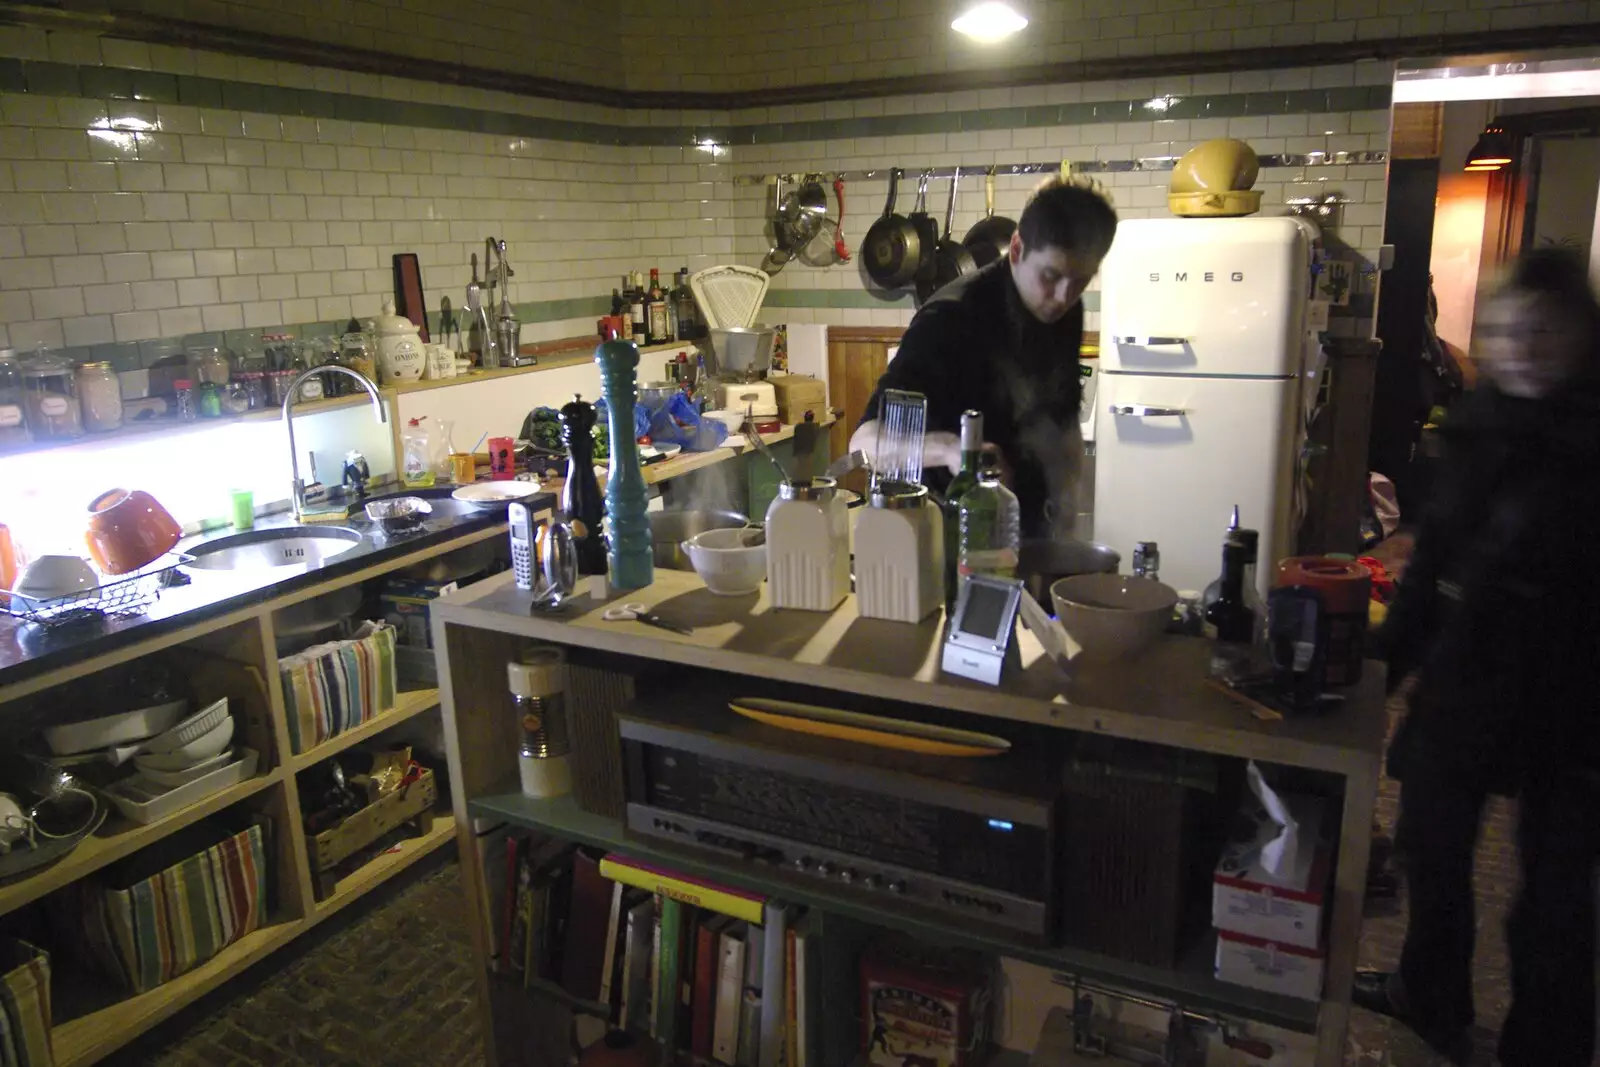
(1495, 615)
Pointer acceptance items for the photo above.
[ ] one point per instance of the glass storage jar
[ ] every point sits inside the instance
(235, 398)
(13, 424)
(50, 393)
(99, 397)
(209, 365)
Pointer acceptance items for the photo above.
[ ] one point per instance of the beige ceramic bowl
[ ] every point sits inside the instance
(1112, 615)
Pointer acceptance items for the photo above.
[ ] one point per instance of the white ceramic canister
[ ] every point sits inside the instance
(401, 357)
(899, 547)
(808, 547)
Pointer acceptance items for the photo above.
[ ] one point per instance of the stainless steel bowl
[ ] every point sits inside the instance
(740, 351)
(669, 529)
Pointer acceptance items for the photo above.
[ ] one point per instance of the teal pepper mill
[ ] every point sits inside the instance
(629, 550)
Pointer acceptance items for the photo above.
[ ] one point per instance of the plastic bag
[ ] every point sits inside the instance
(679, 423)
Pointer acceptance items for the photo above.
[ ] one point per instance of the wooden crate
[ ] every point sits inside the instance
(331, 848)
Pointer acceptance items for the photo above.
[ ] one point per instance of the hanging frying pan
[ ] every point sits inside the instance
(892, 248)
(927, 231)
(990, 236)
(951, 258)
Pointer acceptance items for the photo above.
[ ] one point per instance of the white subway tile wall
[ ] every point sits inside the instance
(157, 220)
(126, 220)
(713, 213)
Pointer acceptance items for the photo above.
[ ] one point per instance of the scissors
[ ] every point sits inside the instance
(638, 613)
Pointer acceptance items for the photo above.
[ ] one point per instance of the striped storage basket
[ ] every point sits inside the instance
(327, 689)
(158, 927)
(24, 1005)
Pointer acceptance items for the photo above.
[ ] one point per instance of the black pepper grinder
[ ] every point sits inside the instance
(580, 497)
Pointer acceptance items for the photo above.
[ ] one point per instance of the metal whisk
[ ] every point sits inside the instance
(902, 426)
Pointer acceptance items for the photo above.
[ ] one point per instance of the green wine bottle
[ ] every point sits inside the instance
(971, 452)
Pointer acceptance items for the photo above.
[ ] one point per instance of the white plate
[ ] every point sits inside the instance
(173, 779)
(664, 451)
(494, 494)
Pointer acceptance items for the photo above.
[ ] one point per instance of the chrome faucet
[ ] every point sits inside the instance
(298, 487)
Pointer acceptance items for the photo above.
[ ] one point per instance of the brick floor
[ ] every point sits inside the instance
(389, 982)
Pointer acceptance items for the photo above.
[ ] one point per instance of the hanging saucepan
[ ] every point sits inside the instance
(990, 236)
(951, 258)
(892, 249)
(927, 231)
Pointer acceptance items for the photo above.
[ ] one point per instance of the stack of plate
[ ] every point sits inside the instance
(177, 767)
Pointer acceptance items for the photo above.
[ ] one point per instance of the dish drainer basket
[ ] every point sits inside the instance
(128, 594)
(729, 295)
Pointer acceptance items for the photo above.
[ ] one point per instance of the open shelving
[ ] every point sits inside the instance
(117, 838)
(1190, 982)
(408, 705)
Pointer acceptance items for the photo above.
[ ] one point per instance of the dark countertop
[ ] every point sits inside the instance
(27, 650)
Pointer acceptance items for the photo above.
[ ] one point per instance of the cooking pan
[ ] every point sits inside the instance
(892, 248)
(951, 258)
(927, 232)
(990, 236)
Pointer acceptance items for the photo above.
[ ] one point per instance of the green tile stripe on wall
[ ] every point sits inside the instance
(868, 299)
(132, 355)
(113, 83)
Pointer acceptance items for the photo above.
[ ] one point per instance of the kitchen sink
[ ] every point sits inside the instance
(288, 546)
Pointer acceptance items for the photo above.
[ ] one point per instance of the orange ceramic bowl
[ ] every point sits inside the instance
(128, 530)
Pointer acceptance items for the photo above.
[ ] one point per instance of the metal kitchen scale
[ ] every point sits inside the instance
(980, 641)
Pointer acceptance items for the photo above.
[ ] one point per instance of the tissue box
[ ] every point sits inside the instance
(1286, 907)
(1268, 966)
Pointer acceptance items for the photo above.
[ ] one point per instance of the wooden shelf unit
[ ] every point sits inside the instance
(116, 838)
(408, 705)
(245, 635)
(1160, 698)
(1190, 983)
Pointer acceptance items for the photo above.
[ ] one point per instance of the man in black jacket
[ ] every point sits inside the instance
(1005, 341)
(1496, 616)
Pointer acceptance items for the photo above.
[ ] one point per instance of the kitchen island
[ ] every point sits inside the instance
(1160, 697)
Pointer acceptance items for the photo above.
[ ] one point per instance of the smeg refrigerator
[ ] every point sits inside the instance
(1208, 362)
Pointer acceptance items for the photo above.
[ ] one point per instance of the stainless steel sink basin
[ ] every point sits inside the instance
(288, 546)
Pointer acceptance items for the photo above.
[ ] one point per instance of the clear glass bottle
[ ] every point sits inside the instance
(183, 399)
(235, 398)
(99, 397)
(13, 422)
(991, 524)
(255, 388)
(1147, 561)
(50, 392)
(965, 479)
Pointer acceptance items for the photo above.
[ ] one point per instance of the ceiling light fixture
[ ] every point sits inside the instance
(1493, 150)
(989, 22)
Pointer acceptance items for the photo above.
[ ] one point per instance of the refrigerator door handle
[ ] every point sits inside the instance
(1150, 342)
(1145, 411)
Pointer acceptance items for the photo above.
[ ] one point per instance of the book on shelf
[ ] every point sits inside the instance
(730, 995)
(714, 988)
(636, 966)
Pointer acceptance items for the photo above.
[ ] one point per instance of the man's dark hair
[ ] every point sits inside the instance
(1064, 214)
